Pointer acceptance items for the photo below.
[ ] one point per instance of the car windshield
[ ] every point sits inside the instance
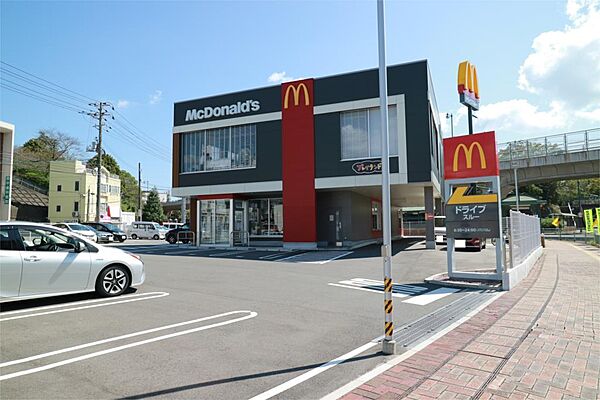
(112, 227)
(77, 227)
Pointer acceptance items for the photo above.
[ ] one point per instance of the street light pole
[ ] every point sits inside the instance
(451, 123)
(516, 187)
(388, 344)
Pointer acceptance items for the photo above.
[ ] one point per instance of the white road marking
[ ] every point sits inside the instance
(366, 289)
(432, 296)
(314, 372)
(329, 260)
(107, 302)
(370, 282)
(410, 352)
(251, 314)
(228, 253)
(285, 258)
(278, 254)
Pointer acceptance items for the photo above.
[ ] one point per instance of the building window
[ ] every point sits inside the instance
(77, 186)
(76, 206)
(59, 188)
(375, 216)
(361, 133)
(58, 207)
(265, 217)
(219, 149)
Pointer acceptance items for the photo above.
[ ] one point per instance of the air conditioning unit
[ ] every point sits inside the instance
(75, 213)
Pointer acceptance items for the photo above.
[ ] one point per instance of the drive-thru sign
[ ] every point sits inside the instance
(469, 213)
(472, 192)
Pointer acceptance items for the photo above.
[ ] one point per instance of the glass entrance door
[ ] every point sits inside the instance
(214, 220)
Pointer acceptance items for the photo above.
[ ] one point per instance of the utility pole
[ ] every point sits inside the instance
(100, 115)
(388, 344)
(139, 191)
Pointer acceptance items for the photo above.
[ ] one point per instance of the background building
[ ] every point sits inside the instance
(72, 193)
(7, 133)
(299, 164)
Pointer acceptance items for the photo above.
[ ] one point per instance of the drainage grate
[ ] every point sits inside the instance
(430, 324)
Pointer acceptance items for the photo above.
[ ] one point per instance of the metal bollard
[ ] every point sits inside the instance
(543, 240)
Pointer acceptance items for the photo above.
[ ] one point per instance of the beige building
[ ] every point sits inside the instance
(7, 133)
(72, 193)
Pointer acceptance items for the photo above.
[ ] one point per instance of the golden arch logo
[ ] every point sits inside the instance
(468, 152)
(468, 85)
(296, 91)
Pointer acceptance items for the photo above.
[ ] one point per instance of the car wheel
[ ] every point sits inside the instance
(483, 247)
(121, 240)
(185, 241)
(172, 239)
(155, 237)
(112, 281)
(133, 236)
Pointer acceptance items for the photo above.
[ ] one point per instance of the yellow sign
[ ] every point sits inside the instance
(598, 218)
(459, 197)
(556, 222)
(296, 93)
(588, 216)
(468, 85)
(468, 152)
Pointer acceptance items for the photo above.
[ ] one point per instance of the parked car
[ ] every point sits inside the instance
(39, 260)
(172, 225)
(182, 233)
(78, 229)
(118, 234)
(440, 236)
(148, 230)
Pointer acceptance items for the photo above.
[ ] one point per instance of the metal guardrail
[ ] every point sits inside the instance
(525, 237)
(570, 142)
(29, 185)
(572, 235)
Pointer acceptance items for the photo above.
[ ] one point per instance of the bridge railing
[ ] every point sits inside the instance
(562, 143)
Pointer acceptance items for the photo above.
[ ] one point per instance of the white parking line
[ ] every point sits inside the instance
(307, 375)
(432, 296)
(251, 314)
(270, 256)
(107, 302)
(328, 260)
(228, 253)
(366, 289)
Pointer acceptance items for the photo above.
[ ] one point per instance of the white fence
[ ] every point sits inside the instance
(525, 246)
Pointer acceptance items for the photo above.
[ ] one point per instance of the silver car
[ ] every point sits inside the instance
(39, 260)
(78, 229)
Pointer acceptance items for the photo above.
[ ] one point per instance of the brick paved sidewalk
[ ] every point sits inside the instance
(499, 354)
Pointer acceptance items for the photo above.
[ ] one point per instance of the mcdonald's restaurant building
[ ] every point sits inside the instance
(298, 164)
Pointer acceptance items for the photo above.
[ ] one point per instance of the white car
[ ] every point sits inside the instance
(38, 260)
(78, 229)
(146, 230)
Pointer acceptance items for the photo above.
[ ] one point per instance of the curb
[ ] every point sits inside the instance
(437, 279)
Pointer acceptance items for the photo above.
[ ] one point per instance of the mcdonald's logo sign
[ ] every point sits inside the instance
(296, 91)
(470, 156)
(468, 85)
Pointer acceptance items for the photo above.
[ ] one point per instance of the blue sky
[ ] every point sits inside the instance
(143, 56)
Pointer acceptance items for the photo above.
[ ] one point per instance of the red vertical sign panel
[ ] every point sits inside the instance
(298, 169)
(470, 156)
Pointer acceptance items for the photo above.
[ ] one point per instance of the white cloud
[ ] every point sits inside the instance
(563, 74)
(565, 63)
(278, 77)
(155, 97)
(123, 103)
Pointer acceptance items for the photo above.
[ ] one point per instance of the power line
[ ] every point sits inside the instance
(44, 80)
(142, 138)
(22, 87)
(39, 98)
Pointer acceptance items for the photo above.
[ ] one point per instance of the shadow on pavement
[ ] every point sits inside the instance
(53, 300)
(242, 378)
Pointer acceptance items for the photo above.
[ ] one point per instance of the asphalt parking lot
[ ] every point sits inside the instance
(223, 324)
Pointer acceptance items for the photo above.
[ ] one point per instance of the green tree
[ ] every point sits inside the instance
(108, 162)
(153, 210)
(32, 159)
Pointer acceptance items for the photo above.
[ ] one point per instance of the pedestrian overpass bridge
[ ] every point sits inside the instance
(572, 155)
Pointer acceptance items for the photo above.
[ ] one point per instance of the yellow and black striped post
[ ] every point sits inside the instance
(388, 308)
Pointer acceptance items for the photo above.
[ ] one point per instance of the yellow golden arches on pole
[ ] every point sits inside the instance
(469, 156)
(296, 93)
